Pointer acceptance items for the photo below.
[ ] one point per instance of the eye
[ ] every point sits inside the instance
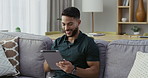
(63, 24)
(70, 24)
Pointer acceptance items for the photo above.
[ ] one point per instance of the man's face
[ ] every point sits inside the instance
(70, 26)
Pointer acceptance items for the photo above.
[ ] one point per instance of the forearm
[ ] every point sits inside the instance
(87, 73)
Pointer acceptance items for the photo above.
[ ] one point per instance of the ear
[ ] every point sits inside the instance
(79, 21)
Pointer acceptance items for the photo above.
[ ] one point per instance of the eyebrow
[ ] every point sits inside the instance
(67, 23)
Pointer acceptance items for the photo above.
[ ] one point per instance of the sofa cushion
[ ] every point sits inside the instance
(10, 46)
(6, 67)
(121, 55)
(140, 67)
(31, 59)
(16, 77)
(102, 45)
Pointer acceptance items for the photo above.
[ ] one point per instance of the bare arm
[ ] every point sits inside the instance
(91, 72)
(46, 67)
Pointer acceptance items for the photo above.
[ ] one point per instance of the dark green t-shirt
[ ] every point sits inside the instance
(78, 53)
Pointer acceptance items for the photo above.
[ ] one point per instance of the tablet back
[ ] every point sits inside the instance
(52, 57)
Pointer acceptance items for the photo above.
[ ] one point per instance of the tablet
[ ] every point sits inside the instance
(52, 57)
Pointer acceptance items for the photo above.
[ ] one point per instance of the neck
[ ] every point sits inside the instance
(72, 39)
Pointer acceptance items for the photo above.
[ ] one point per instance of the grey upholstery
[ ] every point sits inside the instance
(121, 55)
(31, 60)
(116, 58)
(102, 45)
(18, 77)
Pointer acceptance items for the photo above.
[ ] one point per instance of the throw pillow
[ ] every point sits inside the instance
(140, 66)
(6, 67)
(11, 50)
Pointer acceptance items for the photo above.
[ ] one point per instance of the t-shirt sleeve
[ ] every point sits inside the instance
(55, 45)
(92, 51)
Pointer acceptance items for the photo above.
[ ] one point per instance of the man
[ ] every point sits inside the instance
(80, 52)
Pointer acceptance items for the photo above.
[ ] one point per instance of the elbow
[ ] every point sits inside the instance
(96, 74)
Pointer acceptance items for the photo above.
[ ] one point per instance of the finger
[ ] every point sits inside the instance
(60, 64)
(57, 64)
(65, 62)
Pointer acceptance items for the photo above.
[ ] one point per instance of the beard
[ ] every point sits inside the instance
(74, 32)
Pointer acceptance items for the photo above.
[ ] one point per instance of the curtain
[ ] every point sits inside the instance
(29, 15)
(55, 8)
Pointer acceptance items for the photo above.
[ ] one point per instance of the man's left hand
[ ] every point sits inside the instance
(65, 66)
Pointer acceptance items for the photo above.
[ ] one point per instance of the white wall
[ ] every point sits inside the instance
(107, 20)
(104, 21)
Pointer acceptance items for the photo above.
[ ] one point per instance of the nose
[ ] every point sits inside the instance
(66, 27)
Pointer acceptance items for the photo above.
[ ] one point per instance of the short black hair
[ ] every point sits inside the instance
(71, 12)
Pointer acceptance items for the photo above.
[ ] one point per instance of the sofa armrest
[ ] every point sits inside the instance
(31, 59)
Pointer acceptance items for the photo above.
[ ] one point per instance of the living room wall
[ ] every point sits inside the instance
(106, 20)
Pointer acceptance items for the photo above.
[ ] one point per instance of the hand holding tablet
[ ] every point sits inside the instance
(52, 57)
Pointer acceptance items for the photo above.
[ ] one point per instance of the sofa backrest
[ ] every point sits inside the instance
(102, 45)
(31, 59)
(121, 55)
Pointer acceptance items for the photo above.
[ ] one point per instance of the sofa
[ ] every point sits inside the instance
(123, 59)
(30, 59)
(117, 58)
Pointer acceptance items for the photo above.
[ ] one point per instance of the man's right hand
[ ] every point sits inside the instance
(46, 66)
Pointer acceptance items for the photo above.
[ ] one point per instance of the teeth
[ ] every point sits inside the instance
(68, 31)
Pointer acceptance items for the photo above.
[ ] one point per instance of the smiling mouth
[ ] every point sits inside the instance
(68, 32)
